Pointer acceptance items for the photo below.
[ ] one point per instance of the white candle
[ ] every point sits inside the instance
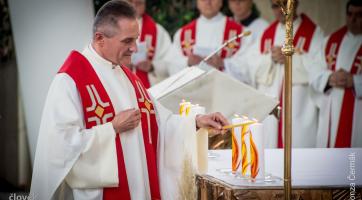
(236, 144)
(245, 154)
(202, 142)
(257, 136)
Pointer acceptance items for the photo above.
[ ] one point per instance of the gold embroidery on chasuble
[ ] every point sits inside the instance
(188, 42)
(332, 56)
(145, 106)
(97, 107)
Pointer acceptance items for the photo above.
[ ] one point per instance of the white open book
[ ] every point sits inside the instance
(216, 91)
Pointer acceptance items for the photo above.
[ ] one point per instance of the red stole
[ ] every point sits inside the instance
(98, 109)
(344, 131)
(148, 35)
(188, 37)
(302, 40)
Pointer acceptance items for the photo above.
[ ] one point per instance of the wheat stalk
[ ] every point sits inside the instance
(187, 185)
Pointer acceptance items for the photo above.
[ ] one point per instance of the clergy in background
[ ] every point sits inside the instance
(102, 136)
(269, 76)
(199, 38)
(153, 46)
(340, 80)
(245, 12)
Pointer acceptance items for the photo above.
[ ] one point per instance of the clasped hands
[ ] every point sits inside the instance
(341, 79)
(277, 55)
(129, 119)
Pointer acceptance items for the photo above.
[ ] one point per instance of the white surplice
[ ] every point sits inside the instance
(210, 35)
(268, 77)
(69, 155)
(331, 102)
(258, 26)
(163, 45)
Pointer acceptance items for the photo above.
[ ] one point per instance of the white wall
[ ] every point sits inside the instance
(45, 31)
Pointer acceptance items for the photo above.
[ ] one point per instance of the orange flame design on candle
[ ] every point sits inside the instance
(244, 151)
(254, 158)
(235, 151)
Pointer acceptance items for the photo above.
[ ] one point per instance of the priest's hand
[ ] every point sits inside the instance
(277, 55)
(217, 62)
(341, 79)
(145, 66)
(215, 121)
(193, 59)
(126, 120)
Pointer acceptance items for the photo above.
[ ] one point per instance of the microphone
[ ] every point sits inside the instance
(243, 34)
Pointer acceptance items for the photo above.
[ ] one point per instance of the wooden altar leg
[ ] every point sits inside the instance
(203, 189)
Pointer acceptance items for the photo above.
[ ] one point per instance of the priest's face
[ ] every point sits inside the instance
(119, 47)
(240, 8)
(209, 8)
(140, 6)
(354, 19)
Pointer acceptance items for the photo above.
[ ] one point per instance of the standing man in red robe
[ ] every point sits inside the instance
(340, 80)
(154, 43)
(269, 76)
(199, 38)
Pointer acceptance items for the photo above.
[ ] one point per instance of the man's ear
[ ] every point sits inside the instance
(99, 38)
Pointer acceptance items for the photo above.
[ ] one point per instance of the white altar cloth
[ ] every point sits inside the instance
(311, 168)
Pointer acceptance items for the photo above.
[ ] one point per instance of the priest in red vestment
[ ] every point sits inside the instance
(154, 42)
(102, 136)
(199, 38)
(340, 80)
(268, 75)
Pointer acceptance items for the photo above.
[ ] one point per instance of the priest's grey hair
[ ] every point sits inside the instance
(108, 15)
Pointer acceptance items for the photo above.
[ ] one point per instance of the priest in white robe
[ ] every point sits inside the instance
(268, 75)
(101, 134)
(153, 45)
(245, 12)
(196, 40)
(340, 80)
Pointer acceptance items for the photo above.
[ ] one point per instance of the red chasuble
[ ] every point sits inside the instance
(302, 40)
(98, 109)
(148, 35)
(188, 38)
(344, 131)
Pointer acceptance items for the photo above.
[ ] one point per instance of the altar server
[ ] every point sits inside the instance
(340, 80)
(153, 45)
(269, 76)
(196, 40)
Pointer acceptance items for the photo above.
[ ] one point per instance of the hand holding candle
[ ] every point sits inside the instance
(213, 121)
